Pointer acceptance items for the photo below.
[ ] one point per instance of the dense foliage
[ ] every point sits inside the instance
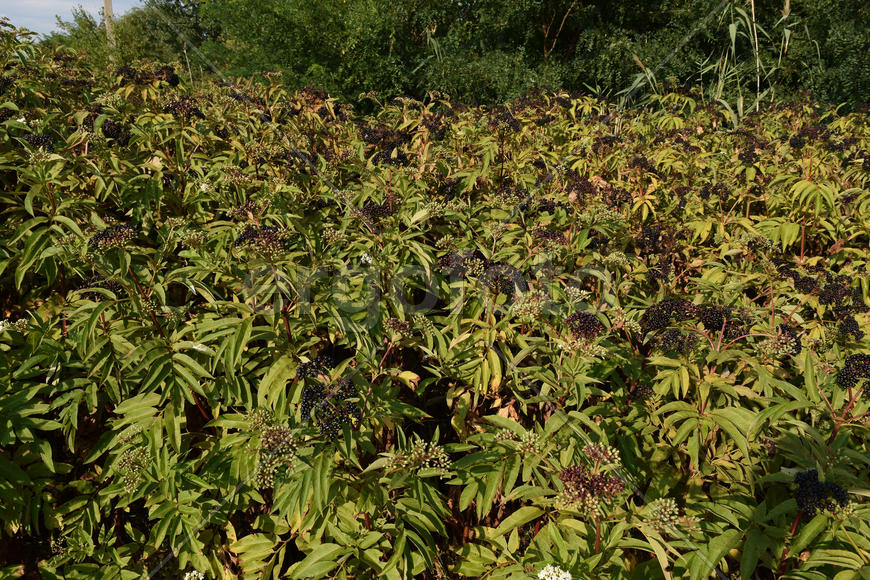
(490, 51)
(252, 333)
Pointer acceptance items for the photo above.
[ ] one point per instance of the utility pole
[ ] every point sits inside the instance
(110, 27)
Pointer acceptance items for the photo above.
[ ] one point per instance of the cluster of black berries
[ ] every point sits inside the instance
(797, 142)
(116, 131)
(549, 236)
(501, 119)
(376, 211)
(716, 317)
(503, 278)
(673, 340)
(320, 365)
(856, 368)
(44, 142)
(813, 495)
(580, 482)
(602, 145)
(111, 237)
(185, 107)
(642, 163)
(330, 406)
(848, 325)
(166, 74)
(384, 137)
(584, 325)
(717, 189)
(436, 126)
(249, 210)
(541, 205)
(463, 264)
(748, 156)
(263, 238)
(5, 83)
(395, 157)
(98, 282)
(661, 314)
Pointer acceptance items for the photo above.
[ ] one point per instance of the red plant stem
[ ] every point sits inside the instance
(597, 536)
(794, 527)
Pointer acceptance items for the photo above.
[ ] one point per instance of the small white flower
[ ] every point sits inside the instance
(366, 258)
(21, 120)
(551, 572)
(194, 575)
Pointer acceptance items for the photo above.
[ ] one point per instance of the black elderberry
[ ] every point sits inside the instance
(660, 315)
(797, 142)
(98, 282)
(5, 83)
(813, 495)
(856, 368)
(850, 326)
(584, 325)
(185, 107)
(791, 337)
(549, 236)
(112, 237)
(167, 74)
(673, 340)
(805, 284)
(264, 238)
(395, 157)
(44, 142)
(503, 278)
(330, 407)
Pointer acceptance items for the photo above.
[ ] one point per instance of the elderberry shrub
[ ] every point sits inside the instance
(813, 495)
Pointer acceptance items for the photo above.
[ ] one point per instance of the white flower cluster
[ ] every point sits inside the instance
(551, 572)
(194, 575)
(366, 258)
(19, 325)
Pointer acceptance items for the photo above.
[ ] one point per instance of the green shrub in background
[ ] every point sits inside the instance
(494, 51)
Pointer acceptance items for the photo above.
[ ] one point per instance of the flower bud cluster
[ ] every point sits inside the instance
(422, 455)
(277, 450)
(131, 465)
(528, 306)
